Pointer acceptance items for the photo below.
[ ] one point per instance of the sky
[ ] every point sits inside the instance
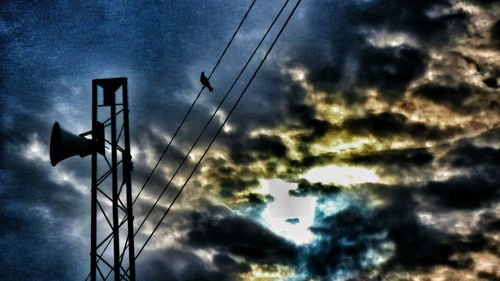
(366, 148)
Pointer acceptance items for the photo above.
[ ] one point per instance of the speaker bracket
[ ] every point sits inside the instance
(109, 87)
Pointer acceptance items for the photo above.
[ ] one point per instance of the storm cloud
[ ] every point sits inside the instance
(401, 96)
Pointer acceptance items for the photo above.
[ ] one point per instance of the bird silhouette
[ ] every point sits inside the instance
(204, 81)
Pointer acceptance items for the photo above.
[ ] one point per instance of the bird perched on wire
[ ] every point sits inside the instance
(204, 81)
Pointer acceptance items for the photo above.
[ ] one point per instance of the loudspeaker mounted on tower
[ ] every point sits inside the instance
(64, 144)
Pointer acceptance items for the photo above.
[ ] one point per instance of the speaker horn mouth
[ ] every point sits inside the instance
(64, 144)
(55, 143)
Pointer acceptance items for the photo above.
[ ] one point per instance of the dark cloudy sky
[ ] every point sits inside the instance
(367, 147)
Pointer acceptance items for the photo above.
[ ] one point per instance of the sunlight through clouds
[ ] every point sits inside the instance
(341, 175)
(288, 216)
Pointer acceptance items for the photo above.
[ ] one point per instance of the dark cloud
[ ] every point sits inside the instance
(413, 18)
(403, 158)
(419, 246)
(293, 220)
(489, 136)
(488, 276)
(344, 62)
(494, 33)
(239, 236)
(467, 155)
(296, 167)
(325, 77)
(403, 164)
(317, 129)
(181, 265)
(267, 147)
(491, 82)
(287, 109)
(22, 236)
(229, 179)
(345, 238)
(306, 188)
(387, 124)
(487, 3)
(231, 185)
(294, 112)
(489, 222)
(390, 69)
(256, 199)
(452, 96)
(478, 187)
(465, 192)
(227, 264)
(252, 149)
(37, 216)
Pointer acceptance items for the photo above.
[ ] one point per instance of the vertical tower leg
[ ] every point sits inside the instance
(116, 232)
(93, 207)
(127, 168)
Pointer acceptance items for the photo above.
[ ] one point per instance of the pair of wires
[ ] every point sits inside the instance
(228, 115)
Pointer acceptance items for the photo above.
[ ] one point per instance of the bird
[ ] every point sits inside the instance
(204, 81)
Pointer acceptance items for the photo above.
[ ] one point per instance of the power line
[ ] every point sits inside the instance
(187, 113)
(212, 117)
(194, 102)
(234, 35)
(219, 130)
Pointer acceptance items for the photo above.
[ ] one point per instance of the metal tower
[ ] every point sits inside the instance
(111, 202)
